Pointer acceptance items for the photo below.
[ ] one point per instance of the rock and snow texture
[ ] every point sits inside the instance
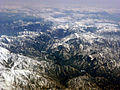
(17, 71)
(59, 48)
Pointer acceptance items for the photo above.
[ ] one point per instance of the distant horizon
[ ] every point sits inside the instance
(62, 3)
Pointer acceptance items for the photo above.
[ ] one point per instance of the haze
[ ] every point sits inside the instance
(63, 3)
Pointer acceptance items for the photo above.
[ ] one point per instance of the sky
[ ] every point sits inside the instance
(63, 3)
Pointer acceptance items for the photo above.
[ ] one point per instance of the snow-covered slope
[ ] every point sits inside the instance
(17, 71)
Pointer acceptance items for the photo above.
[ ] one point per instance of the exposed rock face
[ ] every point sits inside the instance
(82, 83)
(71, 51)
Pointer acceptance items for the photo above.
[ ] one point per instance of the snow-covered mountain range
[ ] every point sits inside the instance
(51, 48)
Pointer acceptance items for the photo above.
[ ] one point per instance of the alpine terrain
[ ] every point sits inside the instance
(59, 49)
